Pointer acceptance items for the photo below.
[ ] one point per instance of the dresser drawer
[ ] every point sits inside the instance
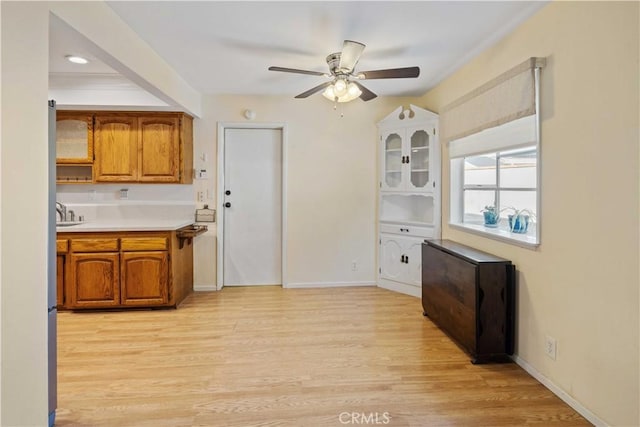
(143, 243)
(94, 245)
(408, 230)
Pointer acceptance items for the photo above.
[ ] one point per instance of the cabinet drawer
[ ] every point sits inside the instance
(407, 230)
(62, 246)
(94, 245)
(143, 243)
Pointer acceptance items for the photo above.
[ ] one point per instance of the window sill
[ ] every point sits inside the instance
(522, 240)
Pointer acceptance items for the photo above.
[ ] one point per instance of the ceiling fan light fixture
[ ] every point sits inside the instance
(340, 88)
(350, 92)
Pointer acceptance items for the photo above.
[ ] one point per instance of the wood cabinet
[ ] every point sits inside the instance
(144, 278)
(93, 280)
(62, 247)
(159, 149)
(128, 269)
(470, 295)
(116, 148)
(145, 271)
(144, 147)
(409, 197)
(74, 137)
(74, 147)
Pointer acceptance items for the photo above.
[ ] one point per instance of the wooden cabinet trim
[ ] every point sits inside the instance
(94, 245)
(143, 243)
(62, 246)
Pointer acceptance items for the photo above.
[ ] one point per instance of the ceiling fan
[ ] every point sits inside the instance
(344, 85)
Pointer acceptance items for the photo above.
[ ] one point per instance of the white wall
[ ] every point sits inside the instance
(24, 175)
(331, 162)
(581, 285)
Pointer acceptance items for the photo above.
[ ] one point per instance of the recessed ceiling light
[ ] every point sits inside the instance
(77, 59)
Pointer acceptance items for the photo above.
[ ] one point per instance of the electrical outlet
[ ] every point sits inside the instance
(550, 347)
(354, 266)
(201, 196)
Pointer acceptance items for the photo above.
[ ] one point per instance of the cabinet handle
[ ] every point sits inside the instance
(228, 192)
(227, 205)
(402, 258)
(406, 259)
(408, 159)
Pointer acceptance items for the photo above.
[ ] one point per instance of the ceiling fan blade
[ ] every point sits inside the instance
(314, 90)
(293, 70)
(393, 73)
(350, 55)
(366, 95)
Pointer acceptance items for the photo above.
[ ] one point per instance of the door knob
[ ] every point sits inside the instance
(227, 205)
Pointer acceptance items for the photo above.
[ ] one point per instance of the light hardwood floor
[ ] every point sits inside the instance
(266, 356)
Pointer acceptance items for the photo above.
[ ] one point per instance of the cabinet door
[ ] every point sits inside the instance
(145, 278)
(93, 280)
(391, 266)
(159, 149)
(413, 253)
(418, 144)
(116, 147)
(60, 280)
(74, 137)
(393, 160)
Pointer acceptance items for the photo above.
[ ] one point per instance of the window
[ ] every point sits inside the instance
(504, 180)
(493, 137)
(502, 183)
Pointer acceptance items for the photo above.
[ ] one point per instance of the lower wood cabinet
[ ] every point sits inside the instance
(144, 278)
(93, 280)
(119, 270)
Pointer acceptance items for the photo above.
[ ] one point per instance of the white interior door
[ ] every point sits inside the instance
(252, 207)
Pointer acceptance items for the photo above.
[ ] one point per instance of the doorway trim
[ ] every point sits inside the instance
(222, 126)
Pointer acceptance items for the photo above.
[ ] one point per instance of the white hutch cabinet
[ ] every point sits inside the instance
(409, 195)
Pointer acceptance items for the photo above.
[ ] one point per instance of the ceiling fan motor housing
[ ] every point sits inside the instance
(333, 60)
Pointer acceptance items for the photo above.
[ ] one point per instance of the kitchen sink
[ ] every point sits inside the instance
(67, 223)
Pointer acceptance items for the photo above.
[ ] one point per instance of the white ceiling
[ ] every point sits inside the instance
(226, 47)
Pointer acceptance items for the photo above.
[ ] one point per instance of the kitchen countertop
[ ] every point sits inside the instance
(126, 225)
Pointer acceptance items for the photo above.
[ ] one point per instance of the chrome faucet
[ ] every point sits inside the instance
(62, 211)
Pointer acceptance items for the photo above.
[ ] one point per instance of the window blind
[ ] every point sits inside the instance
(508, 97)
(514, 134)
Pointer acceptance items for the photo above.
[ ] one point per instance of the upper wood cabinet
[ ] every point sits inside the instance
(159, 142)
(145, 147)
(74, 137)
(116, 145)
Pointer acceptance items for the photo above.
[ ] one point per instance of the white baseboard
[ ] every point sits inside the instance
(203, 288)
(326, 284)
(590, 416)
(403, 288)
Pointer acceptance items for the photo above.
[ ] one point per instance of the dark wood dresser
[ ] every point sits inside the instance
(471, 296)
